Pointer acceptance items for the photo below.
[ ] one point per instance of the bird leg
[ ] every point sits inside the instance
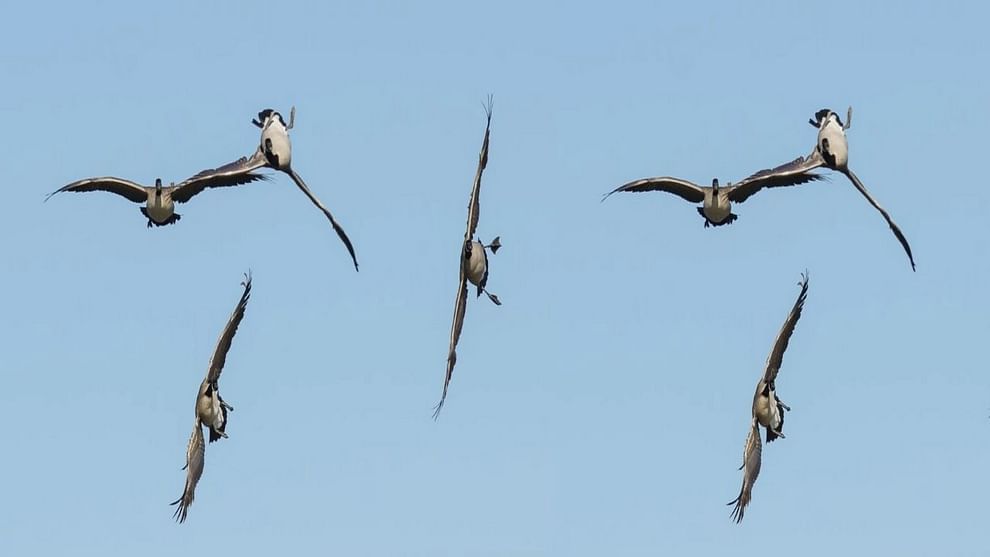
(492, 297)
(496, 243)
(231, 408)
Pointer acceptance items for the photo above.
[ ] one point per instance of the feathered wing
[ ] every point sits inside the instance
(195, 456)
(126, 188)
(227, 336)
(684, 189)
(333, 222)
(474, 206)
(790, 174)
(234, 173)
(460, 307)
(890, 222)
(752, 457)
(784, 336)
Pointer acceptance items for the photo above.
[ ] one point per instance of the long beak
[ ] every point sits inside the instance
(849, 119)
(292, 118)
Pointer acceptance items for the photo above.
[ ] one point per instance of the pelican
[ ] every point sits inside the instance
(275, 152)
(768, 409)
(832, 151)
(160, 201)
(211, 409)
(473, 263)
(717, 200)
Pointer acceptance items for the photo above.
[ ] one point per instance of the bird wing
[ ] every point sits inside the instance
(460, 306)
(890, 222)
(227, 336)
(789, 174)
(333, 222)
(474, 208)
(126, 188)
(195, 456)
(682, 188)
(784, 336)
(234, 173)
(752, 456)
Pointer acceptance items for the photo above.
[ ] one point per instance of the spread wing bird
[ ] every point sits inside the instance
(832, 151)
(473, 262)
(211, 409)
(768, 409)
(160, 201)
(275, 152)
(717, 200)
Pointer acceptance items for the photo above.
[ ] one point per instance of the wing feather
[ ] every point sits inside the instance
(684, 189)
(126, 188)
(460, 307)
(474, 206)
(752, 457)
(793, 173)
(234, 173)
(333, 222)
(890, 222)
(784, 336)
(195, 457)
(227, 336)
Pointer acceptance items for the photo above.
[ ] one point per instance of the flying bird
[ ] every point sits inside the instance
(211, 408)
(717, 200)
(275, 152)
(473, 263)
(768, 409)
(832, 151)
(160, 200)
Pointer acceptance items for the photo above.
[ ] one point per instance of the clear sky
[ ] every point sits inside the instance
(602, 409)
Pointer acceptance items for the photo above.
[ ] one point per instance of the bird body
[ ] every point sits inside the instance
(476, 262)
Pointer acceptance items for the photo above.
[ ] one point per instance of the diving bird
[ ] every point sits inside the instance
(832, 151)
(768, 409)
(211, 408)
(717, 200)
(473, 263)
(160, 200)
(275, 152)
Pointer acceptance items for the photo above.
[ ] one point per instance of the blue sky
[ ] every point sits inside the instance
(603, 408)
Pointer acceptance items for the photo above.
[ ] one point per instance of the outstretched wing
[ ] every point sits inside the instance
(333, 222)
(890, 222)
(460, 306)
(682, 188)
(752, 456)
(474, 208)
(195, 456)
(231, 174)
(790, 174)
(784, 336)
(126, 188)
(227, 336)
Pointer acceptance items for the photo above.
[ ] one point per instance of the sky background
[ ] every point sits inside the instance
(602, 409)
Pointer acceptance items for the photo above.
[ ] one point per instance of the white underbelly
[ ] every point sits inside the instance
(838, 146)
(476, 265)
(208, 410)
(717, 210)
(160, 211)
(280, 147)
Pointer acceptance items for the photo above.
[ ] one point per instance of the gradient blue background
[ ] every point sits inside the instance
(603, 408)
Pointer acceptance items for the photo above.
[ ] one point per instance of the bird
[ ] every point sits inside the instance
(832, 151)
(768, 409)
(211, 408)
(160, 200)
(717, 200)
(275, 152)
(473, 263)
